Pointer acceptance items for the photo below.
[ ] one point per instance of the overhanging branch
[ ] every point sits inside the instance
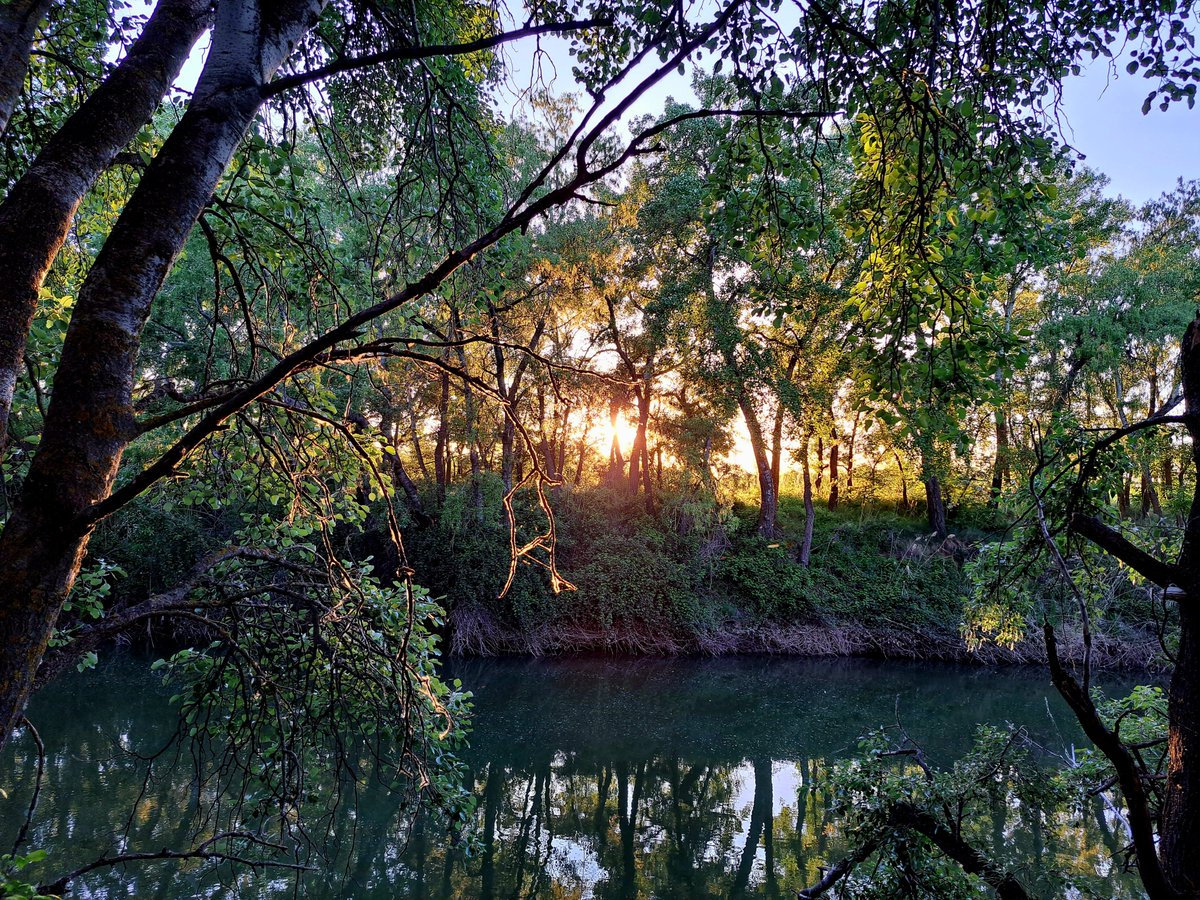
(1117, 545)
(406, 54)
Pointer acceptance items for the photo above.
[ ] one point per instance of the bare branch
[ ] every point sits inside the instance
(406, 54)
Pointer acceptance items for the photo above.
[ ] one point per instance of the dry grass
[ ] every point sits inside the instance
(475, 632)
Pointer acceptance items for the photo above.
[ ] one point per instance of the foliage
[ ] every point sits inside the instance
(11, 886)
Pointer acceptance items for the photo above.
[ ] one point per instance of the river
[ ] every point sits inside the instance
(595, 777)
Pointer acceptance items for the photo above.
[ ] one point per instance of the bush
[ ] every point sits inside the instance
(765, 579)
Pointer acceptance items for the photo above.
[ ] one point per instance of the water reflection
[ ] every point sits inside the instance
(594, 778)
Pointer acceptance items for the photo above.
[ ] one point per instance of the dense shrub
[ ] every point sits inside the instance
(765, 581)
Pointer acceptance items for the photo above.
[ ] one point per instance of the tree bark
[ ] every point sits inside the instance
(850, 454)
(1000, 465)
(833, 476)
(90, 420)
(951, 843)
(616, 461)
(820, 462)
(441, 446)
(469, 414)
(935, 507)
(809, 511)
(768, 499)
(777, 429)
(19, 21)
(1180, 818)
(37, 213)
(639, 456)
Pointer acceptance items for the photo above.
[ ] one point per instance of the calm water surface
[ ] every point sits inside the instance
(595, 778)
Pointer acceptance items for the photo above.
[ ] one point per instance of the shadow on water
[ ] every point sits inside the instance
(594, 777)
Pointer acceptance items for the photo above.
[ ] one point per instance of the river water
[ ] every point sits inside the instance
(595, 777)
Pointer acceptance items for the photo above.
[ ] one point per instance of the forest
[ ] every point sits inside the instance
(358, 355)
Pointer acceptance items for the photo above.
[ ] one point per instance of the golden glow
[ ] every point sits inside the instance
(625, 432)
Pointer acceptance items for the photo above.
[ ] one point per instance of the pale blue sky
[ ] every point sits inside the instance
(1101, 117)
(1143, 155)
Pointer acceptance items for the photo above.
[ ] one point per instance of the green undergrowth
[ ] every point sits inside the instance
(681, 577)
(692, 567)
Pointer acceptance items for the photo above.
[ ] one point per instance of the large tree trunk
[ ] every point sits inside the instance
(1180, 820)
(90, 420)
(37, 213)
(19, 21)
(768, 499)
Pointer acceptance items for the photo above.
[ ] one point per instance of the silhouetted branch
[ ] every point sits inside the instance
(407, 54)
(1117, 545)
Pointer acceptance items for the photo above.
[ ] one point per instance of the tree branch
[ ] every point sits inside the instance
(972, 861)
(201, 851)
(1117, 545)
(1141, 819)
(407, 54)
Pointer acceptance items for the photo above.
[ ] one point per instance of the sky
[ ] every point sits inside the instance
(1143, 155)
(1101, 117)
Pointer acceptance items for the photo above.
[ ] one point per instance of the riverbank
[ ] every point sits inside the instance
(477, 633)
(690, 578)
(695, 581)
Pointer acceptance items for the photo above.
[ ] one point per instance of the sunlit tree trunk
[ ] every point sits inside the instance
(768, 499)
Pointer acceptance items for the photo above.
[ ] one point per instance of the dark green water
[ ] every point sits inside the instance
(595, 777)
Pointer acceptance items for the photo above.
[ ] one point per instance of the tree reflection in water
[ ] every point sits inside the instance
(594, 778)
